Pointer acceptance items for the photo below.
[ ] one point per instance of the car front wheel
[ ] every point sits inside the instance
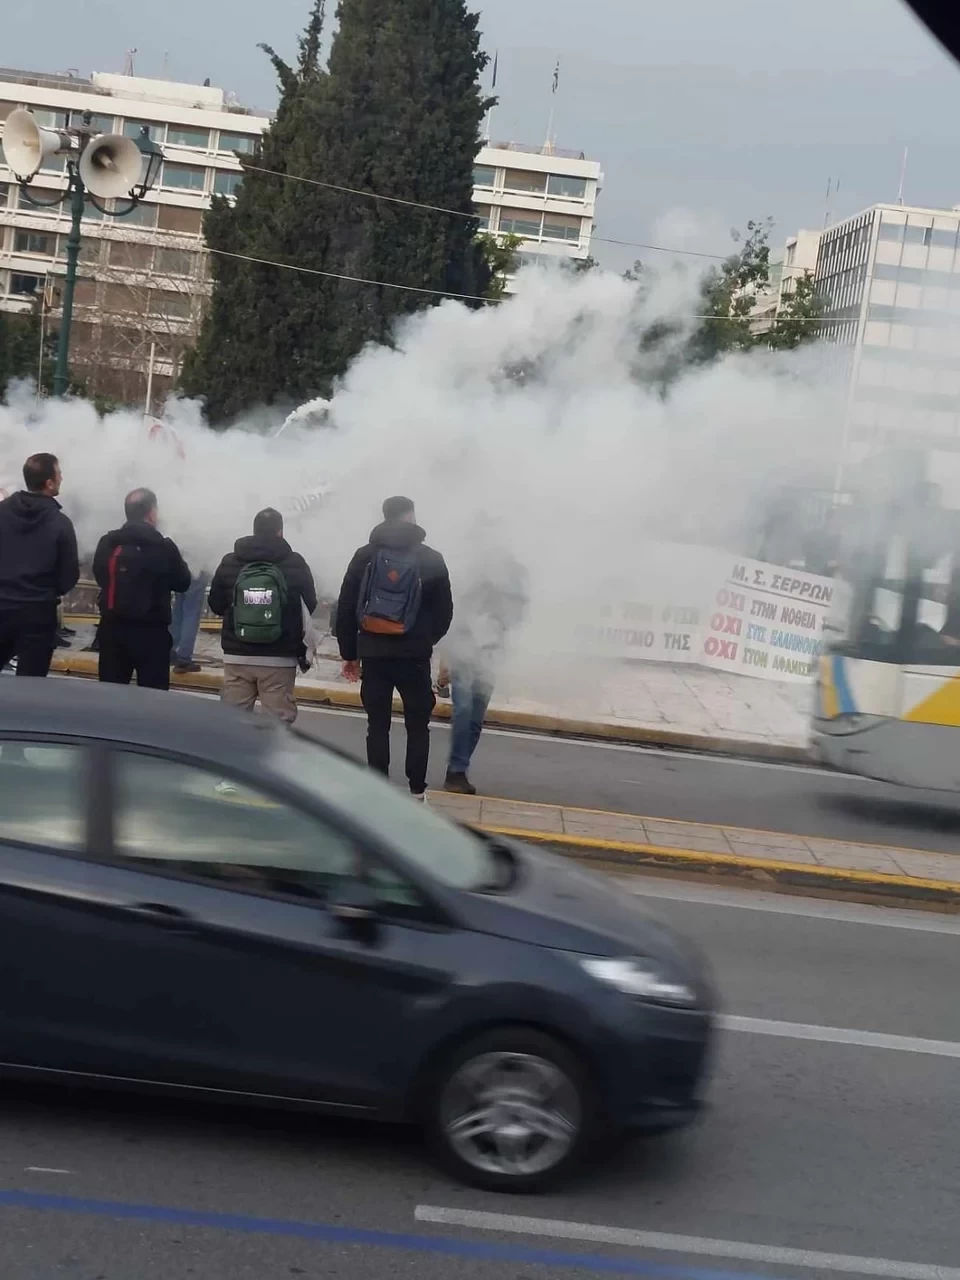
(511, 1111)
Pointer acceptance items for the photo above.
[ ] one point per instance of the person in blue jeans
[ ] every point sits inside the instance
(493, 604)
(185, 624)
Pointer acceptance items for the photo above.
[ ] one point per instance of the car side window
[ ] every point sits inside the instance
(43, 795)
(182, 818)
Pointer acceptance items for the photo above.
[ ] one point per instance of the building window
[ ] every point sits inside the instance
(944, 238)
(483, 216)
(180, 137)
(187, 222)
(523, 180)
(169, 304)
(129, 254)
(4, 194)
(102, 124)
(187, 177)
(484, 176)
(132, 129)
(558, 226)
(245, 143)
(892, 231)
(226, 183)
(917, 235)
(141, 215)
(174, 262)
(51, 119)
(520, 222)
(25, 286)
(33, 242)
(566, 188)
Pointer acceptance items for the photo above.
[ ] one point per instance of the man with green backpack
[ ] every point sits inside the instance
(260, 590)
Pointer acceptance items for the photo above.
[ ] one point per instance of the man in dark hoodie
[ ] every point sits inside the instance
(137, 570)
(38, 565)
(261, 590)
(395, 605)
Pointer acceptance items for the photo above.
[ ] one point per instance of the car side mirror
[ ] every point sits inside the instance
(356, 907)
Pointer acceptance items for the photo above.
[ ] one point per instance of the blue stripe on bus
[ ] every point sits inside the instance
(845, 701)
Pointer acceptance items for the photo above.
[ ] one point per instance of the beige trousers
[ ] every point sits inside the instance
(274, 686)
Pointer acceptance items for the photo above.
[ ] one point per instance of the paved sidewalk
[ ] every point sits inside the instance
(682, 706)
(698, 846)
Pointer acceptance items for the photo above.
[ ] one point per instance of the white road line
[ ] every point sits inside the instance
(39, 1168)
(839, 1035)
(781, 905)
(772, 1255)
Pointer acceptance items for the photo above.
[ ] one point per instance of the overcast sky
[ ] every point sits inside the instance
(703, 113)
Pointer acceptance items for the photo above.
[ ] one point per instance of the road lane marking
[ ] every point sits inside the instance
(39, 1168)
(839, 1035)
(516, 1255)
(779, 904)
(773, 1255)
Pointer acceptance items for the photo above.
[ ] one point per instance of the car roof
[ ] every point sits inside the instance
(195, 726)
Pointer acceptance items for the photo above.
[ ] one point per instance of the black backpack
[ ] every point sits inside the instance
(129, 593)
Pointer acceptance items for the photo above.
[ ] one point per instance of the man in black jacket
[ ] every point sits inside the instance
(259, 668)
(137, 570)
(395, 654)
(38, 565)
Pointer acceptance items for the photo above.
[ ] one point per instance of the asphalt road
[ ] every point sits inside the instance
(691, 788)
(818, 1138)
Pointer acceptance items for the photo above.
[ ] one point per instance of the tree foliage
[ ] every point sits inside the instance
(798, 320)
(502, 257)
(20, 349)
(397, 112)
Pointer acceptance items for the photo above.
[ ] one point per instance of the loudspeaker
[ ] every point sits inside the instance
(27, 144)
(111, 166)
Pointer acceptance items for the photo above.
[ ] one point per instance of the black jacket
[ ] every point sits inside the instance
(436, 605)
(38, 551)
(299, 580)
(162, 561)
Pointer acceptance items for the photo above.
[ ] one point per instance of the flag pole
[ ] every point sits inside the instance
(488, 125)
(548, 146)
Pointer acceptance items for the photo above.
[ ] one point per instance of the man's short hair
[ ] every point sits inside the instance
(268, 523)
(138, 504)
(38, 470)
(397, 508)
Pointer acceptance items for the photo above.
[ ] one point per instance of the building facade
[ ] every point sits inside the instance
(144, 280)
(545, 196)
(890, 281)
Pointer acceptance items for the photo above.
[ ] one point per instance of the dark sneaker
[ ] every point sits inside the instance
(186, 668)
(67, 631)
(459, 784)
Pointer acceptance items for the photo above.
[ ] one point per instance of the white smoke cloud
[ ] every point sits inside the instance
(576, 462)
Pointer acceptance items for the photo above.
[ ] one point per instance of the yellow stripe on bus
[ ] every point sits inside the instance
(940, 707)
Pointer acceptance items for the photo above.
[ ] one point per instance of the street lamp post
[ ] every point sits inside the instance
(99, 168)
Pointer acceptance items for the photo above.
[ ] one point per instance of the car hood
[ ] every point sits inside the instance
(556, 903)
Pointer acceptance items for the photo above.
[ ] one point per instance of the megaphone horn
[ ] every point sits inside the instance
(27, 144)
(111, 165)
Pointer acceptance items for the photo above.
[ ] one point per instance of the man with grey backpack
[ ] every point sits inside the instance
(395, 605)
(261, 590)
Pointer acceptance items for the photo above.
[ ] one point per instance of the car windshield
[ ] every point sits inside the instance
(450, 853)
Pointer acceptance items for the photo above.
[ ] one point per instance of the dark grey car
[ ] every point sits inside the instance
(194, 899)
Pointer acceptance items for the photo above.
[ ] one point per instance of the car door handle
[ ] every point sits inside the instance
(163, 916)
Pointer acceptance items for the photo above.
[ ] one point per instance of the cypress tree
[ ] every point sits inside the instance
(398, 113)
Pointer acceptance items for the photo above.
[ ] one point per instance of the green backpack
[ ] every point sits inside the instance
(259, 599)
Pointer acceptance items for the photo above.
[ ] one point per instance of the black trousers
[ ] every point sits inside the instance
(135, 648)
(411, 679)
(29, 634)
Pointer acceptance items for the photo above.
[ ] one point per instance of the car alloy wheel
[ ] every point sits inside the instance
(511, 1112)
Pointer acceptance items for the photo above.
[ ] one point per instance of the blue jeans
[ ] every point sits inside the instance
(185, 624)
(471, 694)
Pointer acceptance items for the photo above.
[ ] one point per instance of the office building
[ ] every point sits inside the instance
(144, 280)
(890, 281)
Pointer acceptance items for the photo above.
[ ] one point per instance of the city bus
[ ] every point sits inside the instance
(888, 691)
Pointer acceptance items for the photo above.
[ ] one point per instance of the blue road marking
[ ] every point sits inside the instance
(324, 1233)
